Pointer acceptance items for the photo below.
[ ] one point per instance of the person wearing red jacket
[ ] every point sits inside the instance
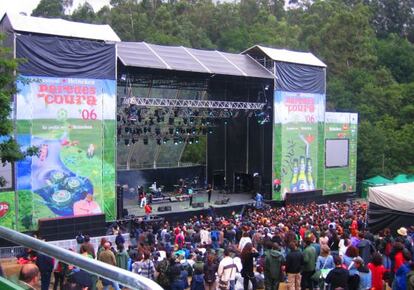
(377, 270)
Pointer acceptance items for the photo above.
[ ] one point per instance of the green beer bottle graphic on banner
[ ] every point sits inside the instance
(302, 183)
(309, 178)
(294, 181)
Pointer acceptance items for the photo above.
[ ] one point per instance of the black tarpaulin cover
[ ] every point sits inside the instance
(292, 77)
(380, 217)
(62, 57)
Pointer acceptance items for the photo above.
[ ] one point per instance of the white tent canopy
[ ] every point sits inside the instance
(399, 197)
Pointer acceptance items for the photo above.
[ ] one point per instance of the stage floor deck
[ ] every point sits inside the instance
(131, 204)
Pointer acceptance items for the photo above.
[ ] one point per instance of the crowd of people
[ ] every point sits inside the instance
(305, 246)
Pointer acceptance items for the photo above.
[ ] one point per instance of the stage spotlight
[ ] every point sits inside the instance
(158, 119)
(171, 131)
(170, 121)
(188, 131)
(133, 140)
(190, 141)
(145, 140)
(176, 113)
(165, 140)
(196, 140)
(145, 129)
(176, 141)
(139, 131)
(203, 122)
(181, 140)
(210, 130)
(185, 121)
(126, 142)
(158, 141)
(191, 120)
(149, 129)
(126, 129)
(177, 130)
(193, 131)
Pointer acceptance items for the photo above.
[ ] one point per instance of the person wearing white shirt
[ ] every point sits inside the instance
(227, 269)
(244, 240)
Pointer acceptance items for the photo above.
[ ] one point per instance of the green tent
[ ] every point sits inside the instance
(403, 178)
(373, 182)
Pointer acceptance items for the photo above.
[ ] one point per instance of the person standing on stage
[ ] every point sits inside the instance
(190, 193)
(209, 192)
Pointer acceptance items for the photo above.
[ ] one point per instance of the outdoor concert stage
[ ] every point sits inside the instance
(236, 200)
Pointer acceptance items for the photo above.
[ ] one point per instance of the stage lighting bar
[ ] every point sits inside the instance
(184, 103)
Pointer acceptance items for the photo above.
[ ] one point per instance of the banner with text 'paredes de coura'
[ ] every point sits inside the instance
(68, 120)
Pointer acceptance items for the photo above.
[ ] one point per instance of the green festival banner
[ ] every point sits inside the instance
(341, 131)
(298, 120)
(72, 122)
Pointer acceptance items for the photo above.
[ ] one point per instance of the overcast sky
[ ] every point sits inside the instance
(27, 6)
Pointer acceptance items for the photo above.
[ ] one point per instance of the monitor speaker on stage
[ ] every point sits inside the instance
(198, 204)
(164, 208)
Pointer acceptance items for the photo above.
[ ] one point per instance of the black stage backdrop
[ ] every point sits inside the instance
(167, 177)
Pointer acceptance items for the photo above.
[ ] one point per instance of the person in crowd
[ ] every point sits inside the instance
(119, 239)
(227, 270)
(122, 257)
(59, 274)
(244, 241)
(274, 261)
(338, 277)
(365, 248)
(400, 281)
(197, 281)
(210, 271)
(107, 256)
(82, 277)
(294, 264)
(162, 269)
(144, 267)
(45, 265)
(248, 255)
(325, 259)
(101, 246)
(351, 253)
(89, 246)
(377, 270)
(364, 274)
(309, 263)
(410, 277)
(177, 280)
(29, 275)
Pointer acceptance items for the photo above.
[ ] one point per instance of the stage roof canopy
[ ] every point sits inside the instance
(60, 27)
(284, 55)
(179, 58)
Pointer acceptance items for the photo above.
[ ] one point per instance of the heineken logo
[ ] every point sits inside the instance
(4, 208)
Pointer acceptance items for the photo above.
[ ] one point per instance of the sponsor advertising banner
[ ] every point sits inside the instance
(298, 119)
(72, 122)
(341, 152)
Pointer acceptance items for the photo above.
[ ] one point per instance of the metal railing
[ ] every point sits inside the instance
(113, 273)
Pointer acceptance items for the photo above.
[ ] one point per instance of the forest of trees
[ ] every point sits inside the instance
(367, 45)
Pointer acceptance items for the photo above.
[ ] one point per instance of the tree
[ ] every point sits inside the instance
(9, 149)
(84, 13)
(52, 8)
